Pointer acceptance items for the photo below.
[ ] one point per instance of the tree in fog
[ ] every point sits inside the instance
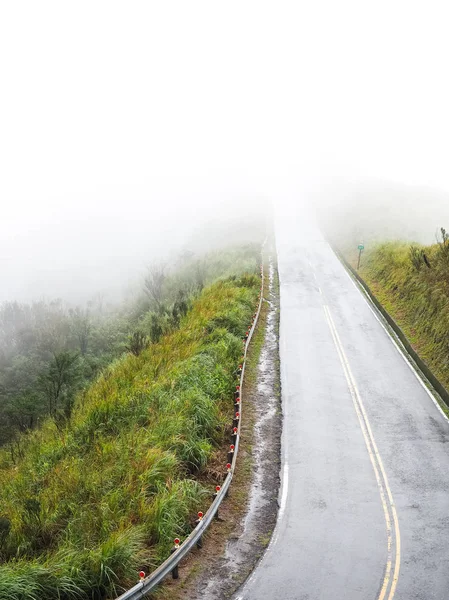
(58, 383)
(81, 327)
(154, 283)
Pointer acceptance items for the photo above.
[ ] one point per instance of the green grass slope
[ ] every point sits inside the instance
(91, 504)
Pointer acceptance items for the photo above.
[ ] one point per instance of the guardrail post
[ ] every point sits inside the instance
(199, 543)
(228, 469)
(214, 495)
(175, 570)
(235, 431)
(236, 406)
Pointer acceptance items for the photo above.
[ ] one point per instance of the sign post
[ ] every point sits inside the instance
(361, 247)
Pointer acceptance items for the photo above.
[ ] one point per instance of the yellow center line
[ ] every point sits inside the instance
(376, 461)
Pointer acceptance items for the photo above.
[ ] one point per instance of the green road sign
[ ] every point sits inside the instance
(361, 247)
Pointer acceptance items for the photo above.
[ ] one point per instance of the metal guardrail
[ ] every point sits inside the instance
(147, 584)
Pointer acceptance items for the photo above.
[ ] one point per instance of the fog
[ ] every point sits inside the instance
(131, 130)
(103, 241)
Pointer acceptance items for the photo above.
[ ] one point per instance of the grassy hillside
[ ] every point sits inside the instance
(50, 351)
(412, 283)
(91, 502)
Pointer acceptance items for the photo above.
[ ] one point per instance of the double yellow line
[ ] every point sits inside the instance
(391, 519)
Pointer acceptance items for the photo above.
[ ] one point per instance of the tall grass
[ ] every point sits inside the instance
(92, 503)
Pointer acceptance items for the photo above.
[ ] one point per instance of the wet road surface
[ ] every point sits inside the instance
(364, 503)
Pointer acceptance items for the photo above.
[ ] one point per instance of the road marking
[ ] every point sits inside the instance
(284, 447)
(398, 347)
(379, 471)
(283, 501)
(285, 388)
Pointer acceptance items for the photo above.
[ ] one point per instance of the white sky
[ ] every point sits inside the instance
(117, 114)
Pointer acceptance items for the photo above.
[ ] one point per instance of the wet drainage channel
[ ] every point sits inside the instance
(247, 545)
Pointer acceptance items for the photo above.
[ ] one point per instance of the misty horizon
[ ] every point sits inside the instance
(126, 130)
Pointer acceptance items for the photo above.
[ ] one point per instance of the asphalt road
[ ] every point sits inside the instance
(364, 505)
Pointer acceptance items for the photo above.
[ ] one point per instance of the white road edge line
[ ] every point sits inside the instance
(398, 348)
(283, 501)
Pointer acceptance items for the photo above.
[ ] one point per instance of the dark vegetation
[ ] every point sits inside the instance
(108, 420)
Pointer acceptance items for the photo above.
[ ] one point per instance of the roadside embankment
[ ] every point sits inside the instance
(93, 501)
(411, 283)
(234, 543)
